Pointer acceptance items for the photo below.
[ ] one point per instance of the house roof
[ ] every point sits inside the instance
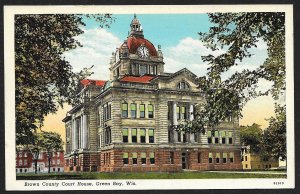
(145, 79)
(86, 82)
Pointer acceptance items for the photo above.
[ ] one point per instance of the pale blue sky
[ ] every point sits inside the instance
(164, 29)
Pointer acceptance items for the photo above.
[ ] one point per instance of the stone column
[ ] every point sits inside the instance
(73, 134)
(175, 121)
(191, 110)
(85, 132)
(81, 132)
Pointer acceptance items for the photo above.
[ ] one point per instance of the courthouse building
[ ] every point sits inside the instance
(125, 124)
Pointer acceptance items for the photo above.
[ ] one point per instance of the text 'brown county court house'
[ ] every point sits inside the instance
(125, 124)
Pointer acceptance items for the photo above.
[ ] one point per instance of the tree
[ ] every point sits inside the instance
(252, 136)
(51, 141)
(274, 137)
(44, 79)
(236, 33)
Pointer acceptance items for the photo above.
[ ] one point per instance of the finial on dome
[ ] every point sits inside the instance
(134, 15)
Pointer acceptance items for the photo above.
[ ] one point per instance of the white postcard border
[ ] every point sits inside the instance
(9, 76)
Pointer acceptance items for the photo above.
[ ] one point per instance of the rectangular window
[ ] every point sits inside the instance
(231, 156)
(178, 112)
(125, 158)
(25, 154)
(223, 136)
(124, 110)
(210, 158)
(133, 110)
(217, 157)
(125, 135)
(25, 162)
(143, 158)
(134, 158)
(245, 158)
(183, 112)
(20, 162)
(133, 136)
(199, 157)
(143, 135)
(142, 111)
(150, 111)
(178, 136)
(152, 158)
(109, 112)
(151, 135)
(216, 135)
(230, 137)
(171, 157)
(224, 158)
(209, 136)
(58, 162)
(20, 154)
(105, 112)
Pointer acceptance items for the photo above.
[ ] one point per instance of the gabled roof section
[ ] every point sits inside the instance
(86, 82)
(145, 79)
(168, 76)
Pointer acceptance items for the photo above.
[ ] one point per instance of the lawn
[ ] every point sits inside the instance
(150, 175)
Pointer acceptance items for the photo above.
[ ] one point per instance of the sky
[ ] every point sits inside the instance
(178, 36)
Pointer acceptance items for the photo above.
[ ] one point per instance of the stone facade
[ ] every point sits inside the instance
(125, 124)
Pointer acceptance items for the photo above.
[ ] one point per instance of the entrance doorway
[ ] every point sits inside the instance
(185, 160)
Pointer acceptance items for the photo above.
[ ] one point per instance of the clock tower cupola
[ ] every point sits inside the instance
(136, 56)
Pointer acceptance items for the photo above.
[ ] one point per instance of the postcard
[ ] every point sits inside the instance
(149, 97)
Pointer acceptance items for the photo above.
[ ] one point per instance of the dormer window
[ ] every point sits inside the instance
(183, 86)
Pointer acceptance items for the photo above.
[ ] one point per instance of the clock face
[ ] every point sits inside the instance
(143, 52)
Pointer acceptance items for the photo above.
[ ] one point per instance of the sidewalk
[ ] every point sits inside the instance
(250, 172)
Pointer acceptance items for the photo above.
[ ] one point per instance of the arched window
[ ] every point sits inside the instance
(183, 85)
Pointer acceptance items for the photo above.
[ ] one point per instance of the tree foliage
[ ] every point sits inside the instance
(236, 33)
(51, 142)
(252, 136)
(274, 137)
(44, 79)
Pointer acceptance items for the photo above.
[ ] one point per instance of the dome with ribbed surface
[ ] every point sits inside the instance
(134, 43)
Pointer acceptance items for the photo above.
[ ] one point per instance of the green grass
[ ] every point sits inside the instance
(150, 175)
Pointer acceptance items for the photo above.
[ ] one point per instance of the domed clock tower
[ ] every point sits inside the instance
(137, 56)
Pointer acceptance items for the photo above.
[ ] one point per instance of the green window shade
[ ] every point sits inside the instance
(143, 155)
(151, 132)
(208, 133)
(134, 155)
(182, 109)
(217, 155)
(142, 107)
(125, 132)
(177, 109)
(142, 132)
(223, 134)
(216, 133)
(229, 134)
(125, 155)
(133, 132)
(150, 107)
(224, 155)
(210, 155)
(152, 155)
(231, 154)
(124, 106)
(133, 106)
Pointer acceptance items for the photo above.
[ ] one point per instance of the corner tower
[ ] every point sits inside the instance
(136, 56)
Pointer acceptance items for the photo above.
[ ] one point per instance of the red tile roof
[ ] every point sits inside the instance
(134, 43)
(86, 82)
(143, 79)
